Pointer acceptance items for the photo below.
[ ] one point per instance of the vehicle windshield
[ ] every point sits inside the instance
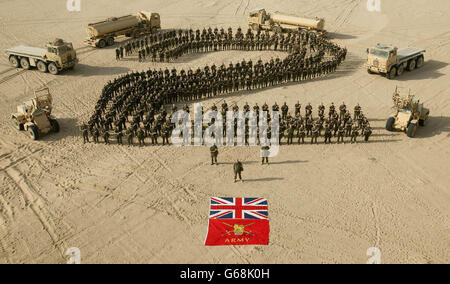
(65, 48)
(379, 53)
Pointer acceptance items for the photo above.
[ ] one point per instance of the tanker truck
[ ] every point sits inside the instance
(103, 33)
(259, 19)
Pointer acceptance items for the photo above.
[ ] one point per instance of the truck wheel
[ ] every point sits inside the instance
(411, 65)
(110, 41)
(391, 75)
(411, 132)
(55, 125)
(101, 43)
(369, 71)
(33, 132)
(419, 62)
(14, 61)
(255, 27)
(277, 29)
(53, 69)
(390, 124)
(421, 122)
(19, 125)
(25, 63)
(400, 70)
(41, 66)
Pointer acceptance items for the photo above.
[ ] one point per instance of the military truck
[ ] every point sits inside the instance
(409, 113)
(103, 33)
(35, 116)
(57, 56)
(259, 19)
(391, 61)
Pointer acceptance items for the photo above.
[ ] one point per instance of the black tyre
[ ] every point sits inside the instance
(400, 70)
(391, 75)
(41, 66)
(277, 29)
(110, 41)
(421, 122)
(411, 65)
(390, 124)
(53, 69)
(19, 125)
(25, 63)
(255, 27)
(369, 71)
(419, 62)
(14, 61)
(411, 131)
(55, 125)
(33, 132)
(101, 43)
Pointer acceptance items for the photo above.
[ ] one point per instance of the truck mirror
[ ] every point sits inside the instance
(367, 50)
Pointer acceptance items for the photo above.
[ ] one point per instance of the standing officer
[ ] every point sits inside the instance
(265, 154)
(238, 169)
(85, 131)
(214, 154)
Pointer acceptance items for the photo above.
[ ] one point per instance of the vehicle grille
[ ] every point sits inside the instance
(376, 63)
(69, 58)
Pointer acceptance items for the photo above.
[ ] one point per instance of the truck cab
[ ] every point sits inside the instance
(148, 19)
(62, 53)
(392, 61)
(258, 18)
(380, 58)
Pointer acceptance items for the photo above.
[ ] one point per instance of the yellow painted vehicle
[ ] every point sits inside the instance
(55, 57)
(103, 33)
(409, 113)
(259, 19)
(35, 116)
(392, 62)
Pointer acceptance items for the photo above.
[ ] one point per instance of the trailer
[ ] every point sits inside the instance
(104, 33)
(57, 56)
(259, 19)
(392, 61)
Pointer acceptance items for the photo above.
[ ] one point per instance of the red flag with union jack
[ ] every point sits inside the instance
(238, 221)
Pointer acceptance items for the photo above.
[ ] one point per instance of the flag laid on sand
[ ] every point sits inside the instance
(238, 221)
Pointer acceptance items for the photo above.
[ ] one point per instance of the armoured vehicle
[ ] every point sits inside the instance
(35, 116)
(391, 61)
(103, 33)
(57, 56)
(259, 19)
(409, 113)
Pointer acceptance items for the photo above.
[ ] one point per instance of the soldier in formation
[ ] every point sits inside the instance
(139, 101)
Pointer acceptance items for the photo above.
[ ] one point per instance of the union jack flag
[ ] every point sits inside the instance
(238, 208)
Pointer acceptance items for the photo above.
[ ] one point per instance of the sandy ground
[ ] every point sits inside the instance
(328, 204)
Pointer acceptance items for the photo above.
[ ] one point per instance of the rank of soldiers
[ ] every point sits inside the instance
(169, 46)
(336, 123)
(134, 105)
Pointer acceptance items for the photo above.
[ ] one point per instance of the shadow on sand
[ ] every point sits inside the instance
(263, 180)
(434, 127)
(68, 128)
(430, 70)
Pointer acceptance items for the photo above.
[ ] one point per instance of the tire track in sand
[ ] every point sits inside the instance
(36, 205)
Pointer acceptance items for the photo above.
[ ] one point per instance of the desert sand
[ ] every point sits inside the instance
(327, 204)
